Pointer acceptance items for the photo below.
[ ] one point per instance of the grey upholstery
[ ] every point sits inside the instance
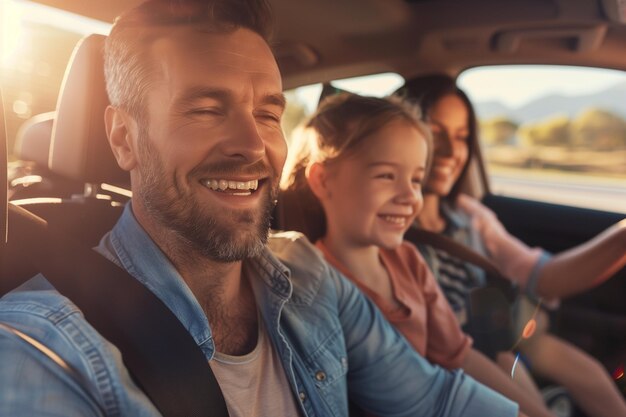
(29, 176)
(32, 142)
(79, 148)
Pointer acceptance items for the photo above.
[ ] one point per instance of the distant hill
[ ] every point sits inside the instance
(612, 99)
(490, 109)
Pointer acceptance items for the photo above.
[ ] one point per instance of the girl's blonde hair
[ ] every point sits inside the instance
(338, 129)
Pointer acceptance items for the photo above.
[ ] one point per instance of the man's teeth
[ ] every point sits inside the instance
(401, 220)
(223, 185)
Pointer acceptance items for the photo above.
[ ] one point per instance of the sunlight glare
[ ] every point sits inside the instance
(529, 329)
(64, 20)
(10, 30)
(13, 13)
(514, 365)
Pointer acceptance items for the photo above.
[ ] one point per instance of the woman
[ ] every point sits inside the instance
(451, 118)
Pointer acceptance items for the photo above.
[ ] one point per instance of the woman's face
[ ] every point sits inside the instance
(448, 120)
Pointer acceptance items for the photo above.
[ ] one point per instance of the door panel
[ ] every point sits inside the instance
(551, 226)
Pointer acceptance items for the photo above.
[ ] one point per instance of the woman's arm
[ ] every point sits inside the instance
(516, 260)
(487, 372)
(570, 272)
(584, 266)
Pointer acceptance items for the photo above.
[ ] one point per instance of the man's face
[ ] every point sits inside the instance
(210, 158)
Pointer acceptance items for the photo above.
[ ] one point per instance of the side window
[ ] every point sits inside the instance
(553, 133)
(302, 101)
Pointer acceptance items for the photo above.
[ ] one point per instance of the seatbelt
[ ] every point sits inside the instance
(160, 354)
(454, 248)
(495, 277)
(490, 315)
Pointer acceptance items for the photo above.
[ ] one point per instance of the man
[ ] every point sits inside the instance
(196, 102)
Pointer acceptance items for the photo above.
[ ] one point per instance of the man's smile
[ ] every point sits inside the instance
(233, 187)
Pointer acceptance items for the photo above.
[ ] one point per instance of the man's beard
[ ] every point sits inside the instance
(242, 234)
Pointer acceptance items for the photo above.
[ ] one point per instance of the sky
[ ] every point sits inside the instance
(517, 85)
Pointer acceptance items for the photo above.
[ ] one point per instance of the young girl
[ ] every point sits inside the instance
(365, 159)
(446, 210)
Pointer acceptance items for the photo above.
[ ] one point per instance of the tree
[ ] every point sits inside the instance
(599, 129)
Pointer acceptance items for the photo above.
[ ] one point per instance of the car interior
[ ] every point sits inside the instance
(63, 178)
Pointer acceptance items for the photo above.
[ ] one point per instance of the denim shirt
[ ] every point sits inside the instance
(331, 340)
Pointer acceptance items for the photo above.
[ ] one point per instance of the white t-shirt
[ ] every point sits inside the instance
(255, 384)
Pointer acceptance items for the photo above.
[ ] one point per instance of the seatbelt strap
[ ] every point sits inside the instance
(453, 248)
(158, 351)
(495, 277)
(489, 307)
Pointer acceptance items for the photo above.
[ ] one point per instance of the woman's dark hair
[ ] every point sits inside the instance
(427, 90)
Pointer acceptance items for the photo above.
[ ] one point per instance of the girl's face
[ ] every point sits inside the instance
(448, 121)
(374, 194)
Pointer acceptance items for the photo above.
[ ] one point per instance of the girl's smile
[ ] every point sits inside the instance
(373, 194)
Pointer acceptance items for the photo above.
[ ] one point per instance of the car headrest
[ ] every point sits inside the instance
(299, 210)
(32, 141)
(80, 150)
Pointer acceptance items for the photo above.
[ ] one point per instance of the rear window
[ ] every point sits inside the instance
(553, 133)
(35, 45)
(302, 101)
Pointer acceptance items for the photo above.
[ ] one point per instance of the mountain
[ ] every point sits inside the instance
(489, 109)
(612, 99)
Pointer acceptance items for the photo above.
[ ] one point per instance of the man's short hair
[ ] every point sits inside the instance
(127, 63)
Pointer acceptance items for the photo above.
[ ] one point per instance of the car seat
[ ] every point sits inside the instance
(29, 176)
(79, 150)
(32, 142)
(79, 153)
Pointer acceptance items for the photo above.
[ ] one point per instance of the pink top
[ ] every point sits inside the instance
(514, 259)
(425, 318)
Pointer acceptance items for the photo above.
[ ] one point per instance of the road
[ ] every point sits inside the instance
(608, 198)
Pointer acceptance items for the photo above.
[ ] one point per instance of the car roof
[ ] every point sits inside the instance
(328, 39)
